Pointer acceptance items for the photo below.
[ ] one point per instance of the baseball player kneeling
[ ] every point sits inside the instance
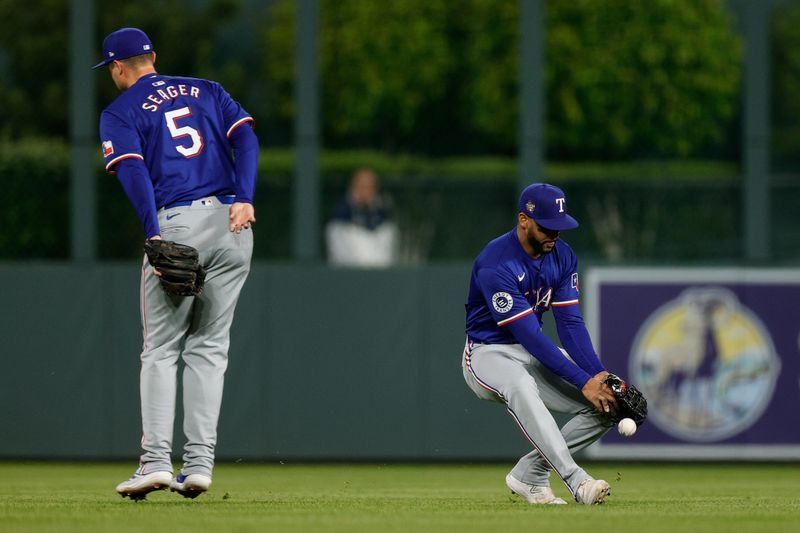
(515, 280)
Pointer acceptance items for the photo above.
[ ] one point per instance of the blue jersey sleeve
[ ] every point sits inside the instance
(120, 140)
(569, 321)
(233, 114)
(529, 334)
(509, 307)
(135, 180)
(245, 152)
(575, 339)
(502, 294)
(566, 292)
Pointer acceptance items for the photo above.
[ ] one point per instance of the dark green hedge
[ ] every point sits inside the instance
(35, 213)
(447, 208)
(623, 79)
(785, 85)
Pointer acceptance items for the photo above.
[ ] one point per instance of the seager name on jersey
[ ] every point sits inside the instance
(154, 100)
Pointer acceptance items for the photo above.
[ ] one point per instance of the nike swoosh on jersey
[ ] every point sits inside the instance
(521, 276)
(170, 217)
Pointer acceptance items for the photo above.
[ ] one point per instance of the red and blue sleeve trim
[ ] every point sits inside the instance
(515, 317)
(239, 123)
(565, 303)
(120, 158)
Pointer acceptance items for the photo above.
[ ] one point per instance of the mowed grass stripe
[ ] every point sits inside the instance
(372, 497)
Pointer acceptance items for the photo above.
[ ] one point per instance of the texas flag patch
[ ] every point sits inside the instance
(108, 148)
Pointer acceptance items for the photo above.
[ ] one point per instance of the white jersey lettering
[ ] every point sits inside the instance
(543, 300)
(170, 92)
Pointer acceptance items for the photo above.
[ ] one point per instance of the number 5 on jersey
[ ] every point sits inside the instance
(178, 132)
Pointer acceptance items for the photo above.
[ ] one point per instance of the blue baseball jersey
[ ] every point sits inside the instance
(179, 127)
(508, 284)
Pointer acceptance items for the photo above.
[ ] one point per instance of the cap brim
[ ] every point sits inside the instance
(104, 62)
(559, 224)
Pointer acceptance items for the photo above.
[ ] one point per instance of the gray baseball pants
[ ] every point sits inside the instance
(196, 329)
(507, 373)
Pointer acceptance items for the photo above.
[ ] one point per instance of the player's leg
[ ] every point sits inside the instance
(206, 349)
(501, 370)
(535, 494)
(165, 320)
(585, 427)
(481, 390)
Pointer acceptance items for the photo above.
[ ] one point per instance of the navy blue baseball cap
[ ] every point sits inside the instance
(547, 205)
(124, 43)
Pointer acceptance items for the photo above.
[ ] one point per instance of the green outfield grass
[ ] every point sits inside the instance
(343, 497)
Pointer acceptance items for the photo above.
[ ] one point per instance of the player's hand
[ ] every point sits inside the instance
(242, 215)
(600, 395)
(602, 375)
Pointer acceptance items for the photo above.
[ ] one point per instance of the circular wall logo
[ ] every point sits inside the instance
(502, 302)
(707, 365)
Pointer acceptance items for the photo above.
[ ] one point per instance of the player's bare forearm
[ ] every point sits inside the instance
(242, 215)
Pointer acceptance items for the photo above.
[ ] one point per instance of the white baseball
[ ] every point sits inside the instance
(626, 427)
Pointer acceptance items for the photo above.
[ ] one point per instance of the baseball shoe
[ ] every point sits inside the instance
(140, 485)
(533, 494)
(592, 491)
(190, 486)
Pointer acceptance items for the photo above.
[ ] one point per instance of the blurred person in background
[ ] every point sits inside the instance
(361, 232)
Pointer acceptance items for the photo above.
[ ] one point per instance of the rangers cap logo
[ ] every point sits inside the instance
(547, 205)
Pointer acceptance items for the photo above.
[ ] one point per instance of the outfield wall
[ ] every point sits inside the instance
(341, 365)
(325, 364)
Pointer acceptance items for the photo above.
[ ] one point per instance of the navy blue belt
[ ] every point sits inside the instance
(223, 199)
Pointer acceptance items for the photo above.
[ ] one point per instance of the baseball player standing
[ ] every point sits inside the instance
(515, 280)
(186, 156)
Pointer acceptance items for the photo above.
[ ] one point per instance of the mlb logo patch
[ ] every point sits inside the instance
(108, 148)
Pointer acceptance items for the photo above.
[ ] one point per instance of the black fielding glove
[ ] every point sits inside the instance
(179, 265)
(631, 402)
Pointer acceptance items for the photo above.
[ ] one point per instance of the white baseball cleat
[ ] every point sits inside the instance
(140, 485)
(533, 494)
(592, 491)
(190, 486)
